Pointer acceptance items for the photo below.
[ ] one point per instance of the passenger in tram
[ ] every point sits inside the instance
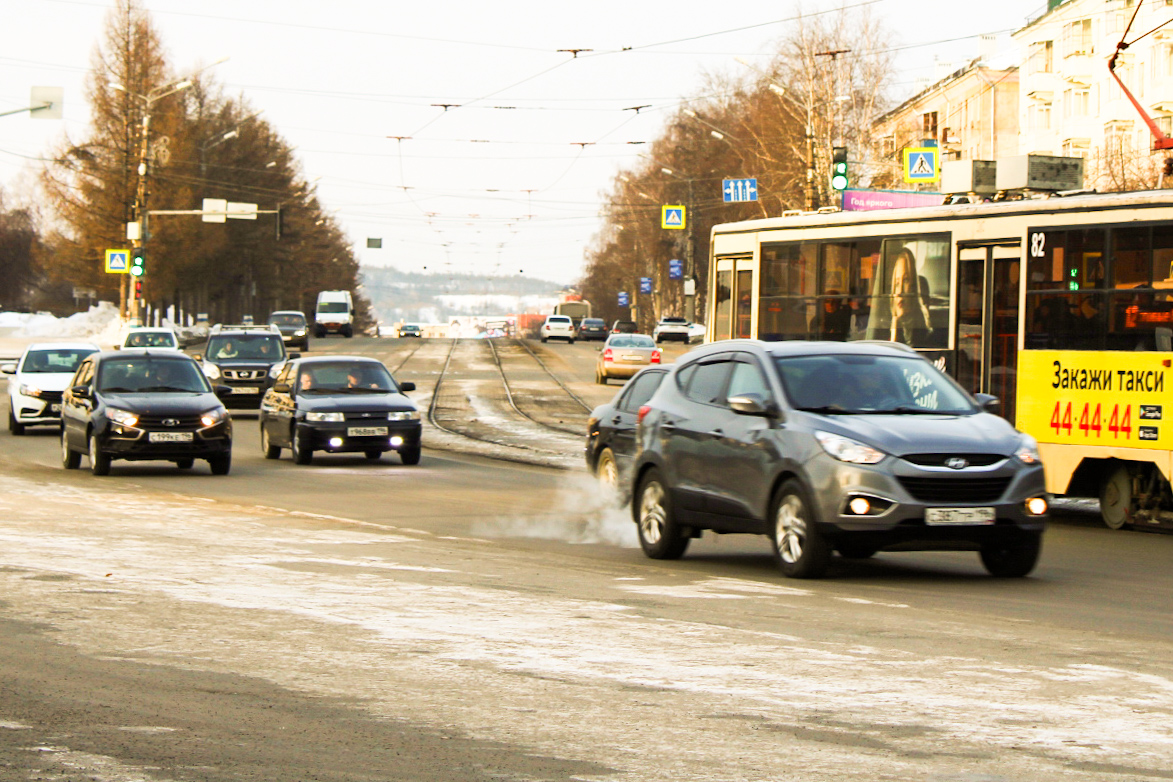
(836, 318)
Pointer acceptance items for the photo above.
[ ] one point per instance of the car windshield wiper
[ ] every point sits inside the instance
(829, 410)
(168, 388)
(913, 410)
(117, 390)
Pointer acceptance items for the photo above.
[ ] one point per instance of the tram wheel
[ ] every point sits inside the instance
(1116, 501)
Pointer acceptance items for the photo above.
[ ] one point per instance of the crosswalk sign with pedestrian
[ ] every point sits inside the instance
(672, 217)
(921, 164)
(117, 261)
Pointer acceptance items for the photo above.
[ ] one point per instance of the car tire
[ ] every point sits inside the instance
(659, 535)
(1116, 498)
(14, 427)
(543, 340)
(410, 455)
(70, 459)
(801, 550)
(220, 464)
(571, 342)
(607, 471)
(99, 461)
(1012, 559)
(300, 455)
(373, 454)
(599, 379)
(267, 448)
(347, 332)
(185, 464)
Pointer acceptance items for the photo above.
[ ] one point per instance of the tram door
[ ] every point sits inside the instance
(734, 295)
(987, 319)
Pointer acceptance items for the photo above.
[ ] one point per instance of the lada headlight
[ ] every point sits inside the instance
(403, 415)
(847, 450)
(27, 390)
(325, 418)
(121, 417)
(212, 417)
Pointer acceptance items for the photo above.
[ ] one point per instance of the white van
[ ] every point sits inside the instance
(334, 313)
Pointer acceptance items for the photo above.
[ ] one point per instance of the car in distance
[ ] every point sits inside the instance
(558, 327)
(142, 404)
(622, 355)
(38, 379)
(294, 328)
(592, 328)
(624, 327)
(833, 446)
(671, 328)
(339, 404)
(245, 359)
(610, 440)
(334, 313)
(147, 337)
(410, 330)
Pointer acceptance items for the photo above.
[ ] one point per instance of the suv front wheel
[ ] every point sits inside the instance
(801, 549)
(659, 535)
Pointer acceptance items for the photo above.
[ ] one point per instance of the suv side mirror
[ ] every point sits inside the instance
(407, 385)
(222, 391)
(989, 403)
(751, 404)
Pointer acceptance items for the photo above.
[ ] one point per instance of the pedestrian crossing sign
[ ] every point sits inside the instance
(672, 217)
(118, 261)
(922, 164)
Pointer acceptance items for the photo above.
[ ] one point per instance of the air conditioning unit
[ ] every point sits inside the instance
(1040, 172)
(969, 176)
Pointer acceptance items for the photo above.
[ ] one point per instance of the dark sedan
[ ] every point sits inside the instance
(610, 443)
(339, 404)
(143, 405)
(592, 328)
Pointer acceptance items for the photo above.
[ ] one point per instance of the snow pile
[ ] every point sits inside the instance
(100, 323)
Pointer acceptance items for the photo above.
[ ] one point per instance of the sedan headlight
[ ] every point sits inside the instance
(847, 450)
(211, 371)
(325, 418)
(1028, 451)
(121, 417)
(212, 417)
(403, 415)
(27, 390)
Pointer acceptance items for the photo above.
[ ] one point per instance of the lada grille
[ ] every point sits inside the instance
(50, 397)
(938, 459)
(366, 416)
(956, 490)
(161, 423)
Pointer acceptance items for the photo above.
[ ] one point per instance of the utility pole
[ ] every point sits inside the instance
(836, 125)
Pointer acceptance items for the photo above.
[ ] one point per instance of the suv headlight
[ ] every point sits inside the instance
(27, 390)
(121, 417)
(275, 370)
(847, 450)
(1028, 451)
(212, 417)
(403, 415)
(325, 418)
(211, 371)
(299, 333)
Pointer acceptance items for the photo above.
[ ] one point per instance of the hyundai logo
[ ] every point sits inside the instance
(170, 422)
(956, 463)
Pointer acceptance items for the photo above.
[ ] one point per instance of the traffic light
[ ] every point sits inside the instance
(839, 168)
(138, 288)
(138, 262)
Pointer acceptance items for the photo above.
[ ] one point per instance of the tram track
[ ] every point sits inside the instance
(551, 405)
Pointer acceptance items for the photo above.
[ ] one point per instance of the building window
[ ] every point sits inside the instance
(1075, 148)
(1042, 57)
(1077, 38)
(1118, 137)
(929, 120)
(1076, 103)
(1039, 116)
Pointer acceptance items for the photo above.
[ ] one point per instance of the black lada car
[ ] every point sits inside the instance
(339, 404)
(143, 405)
(246, 359)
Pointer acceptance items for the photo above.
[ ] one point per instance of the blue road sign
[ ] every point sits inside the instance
(645, 284)
(672, 217)
(623, 302)
(740, 190)
(675, 269)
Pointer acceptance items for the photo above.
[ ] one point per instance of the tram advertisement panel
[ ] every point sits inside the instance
(1096, 398)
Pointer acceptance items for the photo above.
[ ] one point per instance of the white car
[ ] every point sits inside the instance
(38, 378)
(145, 337)
(558, 327)
(671, 328)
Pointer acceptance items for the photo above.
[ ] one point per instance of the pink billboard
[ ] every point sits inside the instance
(868, 200)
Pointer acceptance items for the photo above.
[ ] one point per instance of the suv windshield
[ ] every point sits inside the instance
(150, 339)
(345, 377)
(59, 360)
(860, 384)
(148, 374)
(287, 320)
(255, 347)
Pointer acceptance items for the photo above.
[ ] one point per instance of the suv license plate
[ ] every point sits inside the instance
(245, 390)
(943, 516)
(171, 437)
(366, 431)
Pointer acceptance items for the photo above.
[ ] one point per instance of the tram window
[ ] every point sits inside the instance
(1066, 260)
(910, 291)
(1163, 256)
(816, 291)
(1130, 257)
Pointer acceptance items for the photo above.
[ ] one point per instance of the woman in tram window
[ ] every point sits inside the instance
(910, 316)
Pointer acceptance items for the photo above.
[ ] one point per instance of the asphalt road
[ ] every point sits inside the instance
(470, 618)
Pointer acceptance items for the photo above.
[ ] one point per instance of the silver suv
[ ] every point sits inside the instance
(832, 446)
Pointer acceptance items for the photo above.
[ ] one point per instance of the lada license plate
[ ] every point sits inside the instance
(366, 431)
(245, 390)
(946, 516)
(171, 437)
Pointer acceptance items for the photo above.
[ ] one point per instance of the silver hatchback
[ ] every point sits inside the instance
(833, 446)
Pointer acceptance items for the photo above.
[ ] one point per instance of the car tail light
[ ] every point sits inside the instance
(655, 357)
(607, 354)
(643, 410)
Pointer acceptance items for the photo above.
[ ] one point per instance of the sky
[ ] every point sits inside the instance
(512, 179)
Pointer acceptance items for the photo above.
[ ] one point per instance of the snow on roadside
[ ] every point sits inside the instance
(100, 323)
